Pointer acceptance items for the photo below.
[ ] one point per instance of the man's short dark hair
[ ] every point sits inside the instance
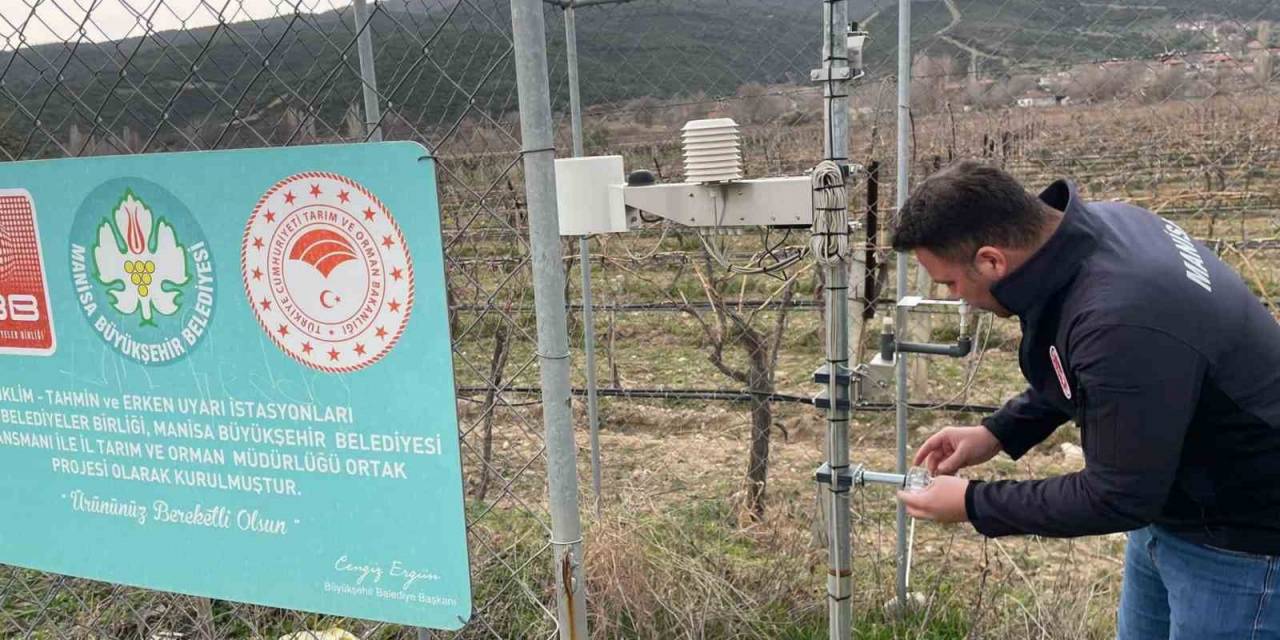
(965, 206)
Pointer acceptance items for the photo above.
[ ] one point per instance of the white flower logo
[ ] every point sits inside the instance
(136, 257)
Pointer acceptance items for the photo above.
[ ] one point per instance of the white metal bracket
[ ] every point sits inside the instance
(768, 202)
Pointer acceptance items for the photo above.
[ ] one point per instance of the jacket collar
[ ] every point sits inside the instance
(1056, 263)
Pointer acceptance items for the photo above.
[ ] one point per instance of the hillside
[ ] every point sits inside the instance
(257, 70)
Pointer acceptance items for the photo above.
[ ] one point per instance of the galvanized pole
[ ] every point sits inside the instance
(835, 75)
(571, 57)
(368, 73)
(584, 252)
(900, 315)
(533, 87)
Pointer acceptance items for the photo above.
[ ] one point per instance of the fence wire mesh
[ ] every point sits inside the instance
(121, 76)
(1170, 105)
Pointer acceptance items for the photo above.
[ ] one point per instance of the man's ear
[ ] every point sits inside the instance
(991, 262)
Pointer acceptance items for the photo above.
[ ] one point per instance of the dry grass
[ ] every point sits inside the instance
(673, 557)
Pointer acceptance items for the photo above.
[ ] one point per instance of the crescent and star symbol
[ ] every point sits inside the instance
(326, 266)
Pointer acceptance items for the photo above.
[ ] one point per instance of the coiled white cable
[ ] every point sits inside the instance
(830, 241)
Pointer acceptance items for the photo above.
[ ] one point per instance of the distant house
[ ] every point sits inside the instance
(1038, 99)
(1174, 58)
(1053, 80)
(1218, 59)
(1202, 61)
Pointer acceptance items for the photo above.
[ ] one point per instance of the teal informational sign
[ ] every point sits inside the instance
(228, 374)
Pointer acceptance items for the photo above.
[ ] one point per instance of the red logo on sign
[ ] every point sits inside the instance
(26, 326)
(1057, 368)
(327, 272)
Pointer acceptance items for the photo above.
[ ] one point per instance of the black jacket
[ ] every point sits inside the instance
(1170, 367)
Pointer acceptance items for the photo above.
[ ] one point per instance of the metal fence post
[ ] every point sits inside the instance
(900, 363)
(368, 72)
(835, 72)
(538, 148)
(584, 251)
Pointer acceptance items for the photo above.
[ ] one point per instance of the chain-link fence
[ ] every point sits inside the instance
(135, 77)
(707, 341)
(1166, 105)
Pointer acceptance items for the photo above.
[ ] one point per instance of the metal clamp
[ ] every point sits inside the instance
(857, 476)
(831, 74)
(889, 345)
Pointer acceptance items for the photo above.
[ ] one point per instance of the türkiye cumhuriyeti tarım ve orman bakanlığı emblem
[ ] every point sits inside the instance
(327, 272)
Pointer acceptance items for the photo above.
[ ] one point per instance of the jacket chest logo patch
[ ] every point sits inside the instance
(1057, 369)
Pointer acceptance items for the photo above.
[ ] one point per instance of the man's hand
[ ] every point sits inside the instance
(942, 501)
(955, 448)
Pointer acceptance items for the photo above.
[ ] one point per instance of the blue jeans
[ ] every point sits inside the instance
(1179, 590)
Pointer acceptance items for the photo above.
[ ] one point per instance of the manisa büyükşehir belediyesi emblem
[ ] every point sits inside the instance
(327, 272)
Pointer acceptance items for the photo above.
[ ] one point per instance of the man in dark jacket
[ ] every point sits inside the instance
(1170, 367)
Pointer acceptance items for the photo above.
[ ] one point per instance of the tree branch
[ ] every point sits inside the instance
(717, 337)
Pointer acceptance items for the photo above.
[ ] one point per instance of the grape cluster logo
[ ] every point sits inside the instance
(142, 271)
(327, 272)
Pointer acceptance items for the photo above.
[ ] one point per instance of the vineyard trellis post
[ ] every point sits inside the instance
(584, 252)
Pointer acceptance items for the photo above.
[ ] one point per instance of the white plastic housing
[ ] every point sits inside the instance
(586, 203)
(712, 151)
(767, 202)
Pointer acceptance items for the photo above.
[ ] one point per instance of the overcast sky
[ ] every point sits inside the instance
(27, 22)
